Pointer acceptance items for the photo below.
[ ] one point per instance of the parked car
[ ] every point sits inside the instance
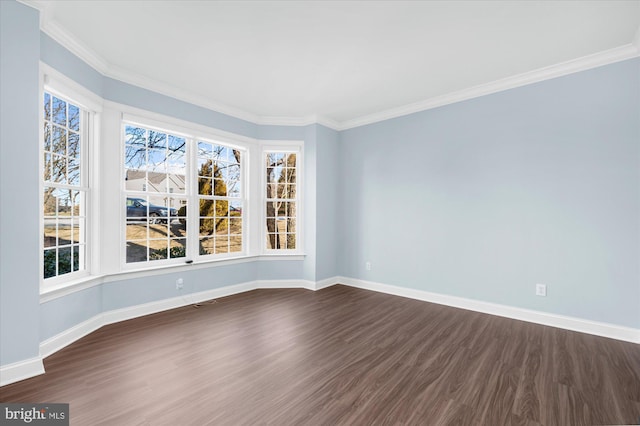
(138, 207)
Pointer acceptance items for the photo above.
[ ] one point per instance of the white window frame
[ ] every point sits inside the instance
(192, 134)
(58, 85)
(246, 210)
(296, 147)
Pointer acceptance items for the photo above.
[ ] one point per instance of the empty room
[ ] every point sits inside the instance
(319, 212)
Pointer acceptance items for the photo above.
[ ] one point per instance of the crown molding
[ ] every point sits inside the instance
(60, 35)
(299, 121)
(166, 89)
(564, 68)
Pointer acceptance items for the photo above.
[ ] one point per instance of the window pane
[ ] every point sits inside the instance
(235, 226)
(206, 227)
(291, 241)
(178, 248)
(207, 208)
(136, 251)
(206, 246)
(205, 186)
(49, 206)
(235, 208)
(157, 140)
(74, 145)
(64, 260)
(77, 229)
(59, 140)
(65, 232)
(156, 162)
(63, 208)
(136, 136)
(222, 226)
(47, 137)
(47, 106)
(222, 244)
(77, 257)
(50, 233)
(219, 187)
(222, 208)
(137, 231)
(73, 171)
(235, 243)
(158, 250)
(58, 169)
(158, 230)
(74, 117)
(281, 190)
(59, 111)
(63, 197)
(50, 263)
(236, 157)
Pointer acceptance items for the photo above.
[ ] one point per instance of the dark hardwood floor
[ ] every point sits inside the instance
(337, 356)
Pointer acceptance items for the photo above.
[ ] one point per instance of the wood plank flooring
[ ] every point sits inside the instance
(339, 356)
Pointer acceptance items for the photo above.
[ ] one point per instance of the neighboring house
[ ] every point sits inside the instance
(142, 180)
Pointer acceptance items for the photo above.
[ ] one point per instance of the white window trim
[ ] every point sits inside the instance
(192, 133)
(55, 83)
(245, 175)
(282, 146)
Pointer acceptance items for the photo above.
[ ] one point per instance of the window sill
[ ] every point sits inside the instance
(51, 292)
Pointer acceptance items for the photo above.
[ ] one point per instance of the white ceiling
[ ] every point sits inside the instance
(340, 61)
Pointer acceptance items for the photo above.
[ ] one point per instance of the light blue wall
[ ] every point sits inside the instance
(480, 199)
(131, 292)
(60, 314)
(327, 187)
(24, 321)
(485, 198)
(309, 201)
(55, 55)
(19, 205)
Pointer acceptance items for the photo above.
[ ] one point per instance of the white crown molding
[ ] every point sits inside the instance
(59, 34)
(569, 67)
(299, 121)
(166, 89)
(612, 331)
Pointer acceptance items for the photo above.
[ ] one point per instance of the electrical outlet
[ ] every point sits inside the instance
(179, 284)
(541, 290)
(368, 266)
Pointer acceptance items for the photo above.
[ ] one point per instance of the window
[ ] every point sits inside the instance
(155, 194)
(282, 202)
(65, 187)
(220, 199)
(166, 174)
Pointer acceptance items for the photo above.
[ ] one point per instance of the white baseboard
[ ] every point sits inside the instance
(17, 371)
(136, 311)
(327, 282)
(23, 370)
(32, 367)
(309, 285)
(560, 321)
(70, 335)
